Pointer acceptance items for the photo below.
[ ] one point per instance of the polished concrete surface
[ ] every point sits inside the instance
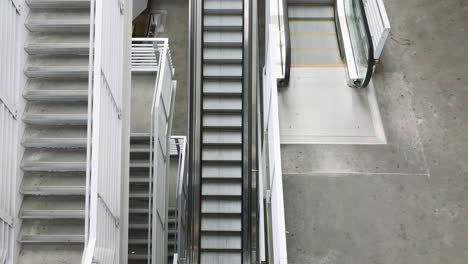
(320, 108)
(407, 201)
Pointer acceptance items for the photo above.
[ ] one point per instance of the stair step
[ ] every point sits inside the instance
(222, 88)
(221, 197)
(49, 253)
(223, 22)
(221, 223)
(230, 241)
(52, 214)
(221, 206)
(222, 71)
(219, 137)
(225, 171)
(221, 188)
(55, 119)
(222, 55)
(222, 104)
(57, 71)
(138, 210)
(64, 142)
(136, 195)
(139, 164)
(220, 256)
(139, 179)
(54, 166)
(52, 239)
(58, 20)
(140, 148)
(222, 154)
(53, 190)
(56, 95)
(222, 39)
(309, 12)
(57, 48)
(223, 7)
(222, 121)
(58, 3)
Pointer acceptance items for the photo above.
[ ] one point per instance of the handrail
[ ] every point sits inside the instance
(284, 82)
(350, 49)
(271, 169)
(370, 44)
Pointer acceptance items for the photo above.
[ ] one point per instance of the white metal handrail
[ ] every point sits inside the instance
(182, 188)
(104, 175)
(10, 69)
(270, 158)
(162, 109)
(145, 54)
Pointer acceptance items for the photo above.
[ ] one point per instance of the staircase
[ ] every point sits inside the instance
(314, 41)
(221, 132)
(139, 198)
(54, 160)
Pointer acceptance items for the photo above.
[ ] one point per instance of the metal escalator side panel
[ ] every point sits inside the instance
(355, 39)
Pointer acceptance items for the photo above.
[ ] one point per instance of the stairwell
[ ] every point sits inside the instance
(54, 162)
(139, 201)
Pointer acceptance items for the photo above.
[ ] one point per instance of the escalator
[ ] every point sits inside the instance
(331, 33)
(219, 131)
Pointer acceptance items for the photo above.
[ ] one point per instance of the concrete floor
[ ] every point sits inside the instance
(405, 202)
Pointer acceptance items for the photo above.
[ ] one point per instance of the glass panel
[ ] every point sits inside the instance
(360, 37)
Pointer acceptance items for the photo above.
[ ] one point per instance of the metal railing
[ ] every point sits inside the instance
(162, 109)
(179, 146)
(145, 54)
(285, 40)
(104, 173)
(379, 24)
(363, 28)
(270, 179)
(10, 70)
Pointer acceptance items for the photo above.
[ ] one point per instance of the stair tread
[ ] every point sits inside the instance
(58, 3)
(54, 142)
(53, 238)
(53, 190)
(54, 166)
(56, 95)
(223, 7)
(52, 214)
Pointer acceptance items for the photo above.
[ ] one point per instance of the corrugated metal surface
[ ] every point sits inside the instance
(9, 92)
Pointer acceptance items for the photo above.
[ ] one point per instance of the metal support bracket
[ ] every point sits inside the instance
(13, 111)
(6, 218)
(17, 5)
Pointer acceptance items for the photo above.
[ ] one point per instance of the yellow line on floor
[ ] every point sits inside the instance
(317, 65)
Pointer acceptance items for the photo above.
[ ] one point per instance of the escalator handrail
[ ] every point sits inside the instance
(284, 82)
(370, 44)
